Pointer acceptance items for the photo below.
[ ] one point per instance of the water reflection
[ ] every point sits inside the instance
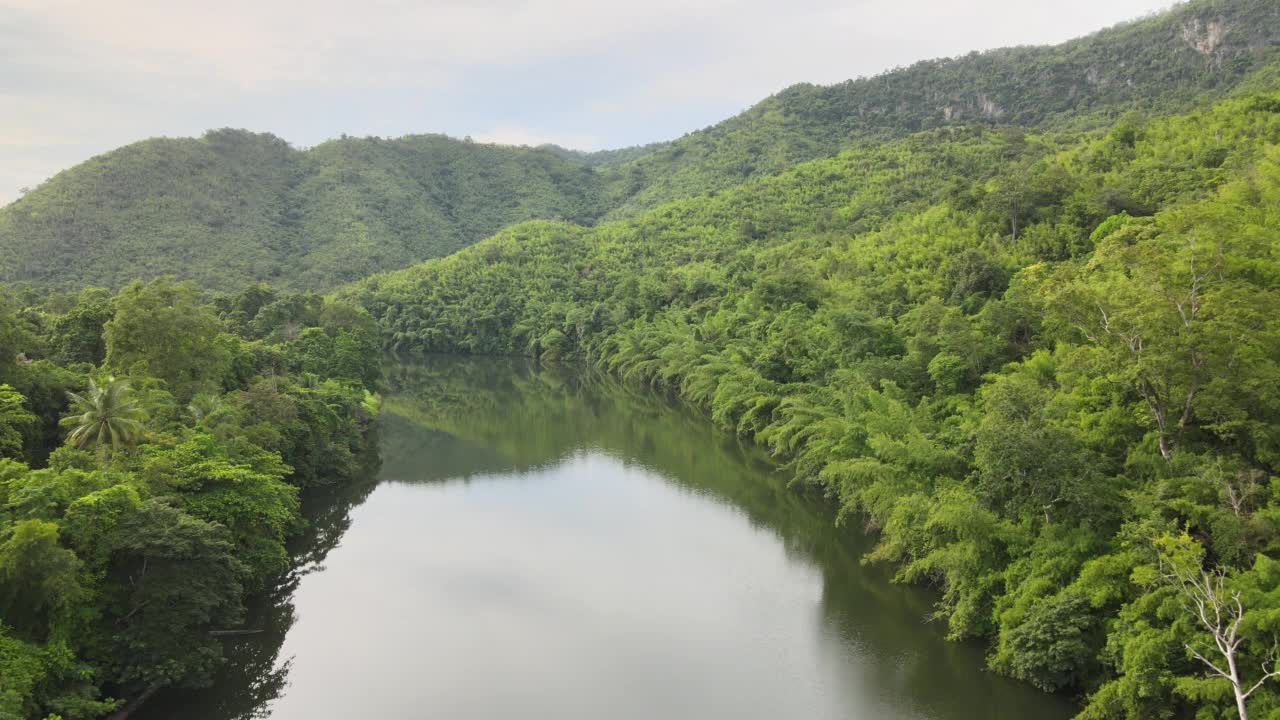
(547, 448)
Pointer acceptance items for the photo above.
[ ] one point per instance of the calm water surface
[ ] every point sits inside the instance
(539, 545)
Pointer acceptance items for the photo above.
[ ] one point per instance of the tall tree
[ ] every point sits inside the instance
(1173, 313)
(162, 329)
(105, 417)
(1219, 611)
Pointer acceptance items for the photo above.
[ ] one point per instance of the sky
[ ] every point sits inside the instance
(78, 78)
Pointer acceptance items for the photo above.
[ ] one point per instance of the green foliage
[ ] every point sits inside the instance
(33, 677)
(115, 564)
(15, 336)
(1051, 648)
(1029, 462)
(163, 329)
(260, 210)
(45, 387)
(186, 577)
(39, 578)
(76, 336)
(14, 418)
(246, 495)
(1019, 400)
(105, 417)
(339, 353)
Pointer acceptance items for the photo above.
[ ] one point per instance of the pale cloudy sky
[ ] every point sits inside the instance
(79, 77)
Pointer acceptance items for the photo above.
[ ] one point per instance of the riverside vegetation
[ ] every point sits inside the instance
(1025, 328)
(191, 425)
(1041, 366)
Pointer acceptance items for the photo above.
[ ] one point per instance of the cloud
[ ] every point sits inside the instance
(582, 73)
(257, 44)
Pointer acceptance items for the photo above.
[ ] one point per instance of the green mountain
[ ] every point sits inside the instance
(234, 207)
(1195, 52)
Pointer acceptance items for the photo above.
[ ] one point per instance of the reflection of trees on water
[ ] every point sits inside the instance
(254, 673)
(536, 416)
(453, 419)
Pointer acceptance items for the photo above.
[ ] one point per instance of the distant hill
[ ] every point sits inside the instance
(369, 204)
(233, 206)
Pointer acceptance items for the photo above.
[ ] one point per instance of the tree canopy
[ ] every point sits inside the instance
(188, 426)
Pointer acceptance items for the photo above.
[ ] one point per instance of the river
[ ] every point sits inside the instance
(537, 544)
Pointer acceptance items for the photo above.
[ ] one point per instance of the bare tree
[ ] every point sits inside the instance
(1220, 612)
(1239, 488)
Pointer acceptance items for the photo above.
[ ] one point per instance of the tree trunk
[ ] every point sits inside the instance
(1235, 687)
(133, 705)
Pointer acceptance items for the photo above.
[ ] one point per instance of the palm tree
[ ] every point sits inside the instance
(105, 416)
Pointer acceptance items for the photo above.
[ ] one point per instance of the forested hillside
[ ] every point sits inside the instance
(234, 207)
(1042, 366)
(1166, 62)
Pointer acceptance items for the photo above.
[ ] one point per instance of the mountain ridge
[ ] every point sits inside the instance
(235, 207)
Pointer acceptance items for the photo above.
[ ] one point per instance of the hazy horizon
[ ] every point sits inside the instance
(80, 81)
